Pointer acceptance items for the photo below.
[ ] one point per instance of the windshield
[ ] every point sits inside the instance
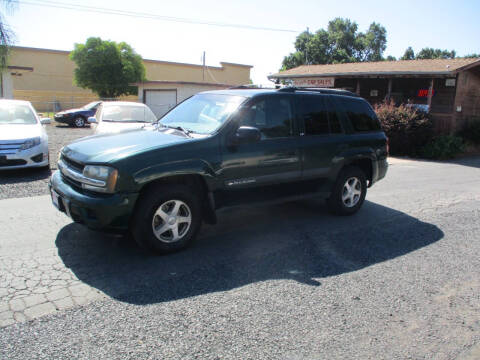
(16, 114)
(203, 113)
(127, 113)
(91, 105)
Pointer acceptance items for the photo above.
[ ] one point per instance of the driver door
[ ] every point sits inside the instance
(254, 168)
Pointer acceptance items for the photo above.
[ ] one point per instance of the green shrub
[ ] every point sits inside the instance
(471, 131)
(407, 129)
(444, 147)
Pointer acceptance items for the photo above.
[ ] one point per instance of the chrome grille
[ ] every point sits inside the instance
(9, 147)
(72, 164)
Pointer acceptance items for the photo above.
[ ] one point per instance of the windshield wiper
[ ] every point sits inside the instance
(182, 129)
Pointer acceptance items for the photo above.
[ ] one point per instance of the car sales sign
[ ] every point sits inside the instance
(314, 82)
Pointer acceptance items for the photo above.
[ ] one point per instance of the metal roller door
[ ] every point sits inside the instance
(160, 101)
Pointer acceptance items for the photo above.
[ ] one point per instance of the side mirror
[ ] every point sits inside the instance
(92, 120)
(246, 134)
(45, 121)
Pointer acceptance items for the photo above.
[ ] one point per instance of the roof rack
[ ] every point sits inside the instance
(247, 86)
(319, 90)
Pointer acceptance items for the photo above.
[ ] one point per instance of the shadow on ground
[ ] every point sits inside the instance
(14, 176)
(298, 241)
(472, 161)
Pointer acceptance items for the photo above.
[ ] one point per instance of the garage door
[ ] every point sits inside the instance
(160, 101)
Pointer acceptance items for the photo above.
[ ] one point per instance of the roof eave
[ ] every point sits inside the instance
(353, 74)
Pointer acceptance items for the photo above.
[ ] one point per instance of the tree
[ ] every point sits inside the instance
(472, 56)
(430, 53)
(6, 34)
(107, 68)
(409, 54)
(373, 42)
(340, 43)
(391, 58)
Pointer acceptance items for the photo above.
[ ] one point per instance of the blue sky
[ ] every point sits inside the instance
(439, 24)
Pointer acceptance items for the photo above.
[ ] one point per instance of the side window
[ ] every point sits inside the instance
(315, 115)
(360, 114)
(273, 116)
(333, 118)
(319, 115)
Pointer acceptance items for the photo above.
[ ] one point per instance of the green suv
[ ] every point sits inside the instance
(219, 149)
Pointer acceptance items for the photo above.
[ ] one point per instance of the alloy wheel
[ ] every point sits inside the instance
(171, 221)
(351, 192)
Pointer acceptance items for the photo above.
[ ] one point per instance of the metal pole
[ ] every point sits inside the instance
(203, 75)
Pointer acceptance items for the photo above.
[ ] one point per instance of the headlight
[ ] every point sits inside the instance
(29, 143)
(100, 178)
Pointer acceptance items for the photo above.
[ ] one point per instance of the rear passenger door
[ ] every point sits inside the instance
(323, 136)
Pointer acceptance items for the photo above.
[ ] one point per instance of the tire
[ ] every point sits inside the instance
(166, 208)
(349, 191)
(79, 122)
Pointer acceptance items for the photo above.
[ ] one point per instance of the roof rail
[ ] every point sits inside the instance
(319, 90)
(248, 86)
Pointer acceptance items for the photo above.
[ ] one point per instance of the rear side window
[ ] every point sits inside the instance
(319, 115)
(360, 114)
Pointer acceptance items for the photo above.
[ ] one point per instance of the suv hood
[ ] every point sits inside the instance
(107, 148)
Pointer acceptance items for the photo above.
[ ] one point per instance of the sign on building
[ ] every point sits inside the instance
(314, 82)
(450, 82)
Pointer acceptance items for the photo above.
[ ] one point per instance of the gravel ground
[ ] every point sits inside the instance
(399, 280)
(32, 182)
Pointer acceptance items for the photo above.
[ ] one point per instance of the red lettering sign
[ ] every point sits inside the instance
(424, 93)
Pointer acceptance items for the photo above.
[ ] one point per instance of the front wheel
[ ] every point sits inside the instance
(348, 192)
(167, 219)
(79, 122)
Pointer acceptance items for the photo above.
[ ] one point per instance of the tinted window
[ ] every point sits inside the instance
(319, 115)
(272, 116)
(315, 115)
(360, 114)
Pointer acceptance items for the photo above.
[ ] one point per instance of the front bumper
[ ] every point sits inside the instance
(34, 157)
(97, 212)
(63, 119)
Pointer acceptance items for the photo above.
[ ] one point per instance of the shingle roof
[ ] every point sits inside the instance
(412, 67)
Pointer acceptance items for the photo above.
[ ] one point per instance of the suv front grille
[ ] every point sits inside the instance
(72, 164)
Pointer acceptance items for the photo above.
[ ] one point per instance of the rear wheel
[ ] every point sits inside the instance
(349, 191)
(167, 219)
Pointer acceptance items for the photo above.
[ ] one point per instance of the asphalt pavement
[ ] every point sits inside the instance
(398, 280)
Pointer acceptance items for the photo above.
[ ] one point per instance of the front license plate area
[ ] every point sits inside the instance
(57, 201)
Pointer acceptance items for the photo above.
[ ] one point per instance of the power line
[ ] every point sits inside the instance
(100, 10)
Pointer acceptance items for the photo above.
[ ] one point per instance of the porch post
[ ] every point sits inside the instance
(430, 95)
(357, 91)
(389, 89)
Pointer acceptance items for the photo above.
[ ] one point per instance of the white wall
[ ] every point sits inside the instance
(7, 85)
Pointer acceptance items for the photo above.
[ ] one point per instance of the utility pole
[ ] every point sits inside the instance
(203, 74)
(306, 50)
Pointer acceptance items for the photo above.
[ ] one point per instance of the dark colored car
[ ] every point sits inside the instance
(77, 117)
(218, 149)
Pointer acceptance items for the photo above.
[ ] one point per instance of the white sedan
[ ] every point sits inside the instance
(116, 116)
(23, 139)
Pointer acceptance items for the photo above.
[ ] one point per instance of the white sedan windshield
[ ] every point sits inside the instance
(203, 113)
(127, 113)
(16, 114)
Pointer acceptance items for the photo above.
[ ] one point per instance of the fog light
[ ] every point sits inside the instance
(37, 158)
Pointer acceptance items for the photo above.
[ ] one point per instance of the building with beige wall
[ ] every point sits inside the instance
(45, 77)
